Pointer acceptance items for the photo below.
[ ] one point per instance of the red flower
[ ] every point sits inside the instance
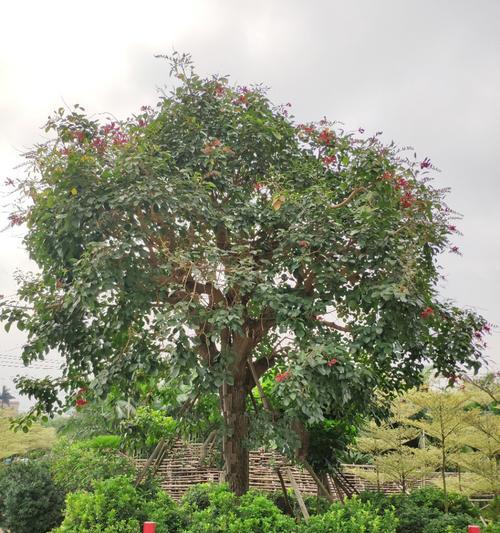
(283, 377)
(219, 90)
(427, 312)
(386, 176)
(407, 199)
(80, 402)
(332, 362)
(99, 144)
(401, 183)
(79, 136)
(258, 186)
(120, 138)
(329, 159)
(108, 128)
(326, 136)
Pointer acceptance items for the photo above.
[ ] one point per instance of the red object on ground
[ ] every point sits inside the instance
(474, 529)
(149, 527)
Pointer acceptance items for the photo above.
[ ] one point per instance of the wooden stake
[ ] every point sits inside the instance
(296, 489)
(285, 493)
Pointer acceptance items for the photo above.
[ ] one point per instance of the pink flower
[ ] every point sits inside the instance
(80, 402)
(426, 163)
(332, 362)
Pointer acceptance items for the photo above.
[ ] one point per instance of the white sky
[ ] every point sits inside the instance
(426, 72)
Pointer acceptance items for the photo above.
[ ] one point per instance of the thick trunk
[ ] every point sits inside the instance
(236, 456)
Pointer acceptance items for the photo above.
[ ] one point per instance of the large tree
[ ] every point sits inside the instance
(213, 238)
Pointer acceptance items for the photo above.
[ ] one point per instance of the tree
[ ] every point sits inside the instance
(214, 234)
(6, 396)
(388, 442)
(444, 420)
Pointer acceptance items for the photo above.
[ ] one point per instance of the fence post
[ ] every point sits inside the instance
(149, 527)
(474, 529)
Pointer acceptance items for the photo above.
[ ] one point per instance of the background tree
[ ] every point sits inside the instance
(214, 233)
(5, 396)
(388, 442)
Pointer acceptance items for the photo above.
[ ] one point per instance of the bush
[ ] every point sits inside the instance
(432, 497)
(117, 506)
(30, 502)
(355, 516)
(79, 465)
(450, 523)
(214, 509)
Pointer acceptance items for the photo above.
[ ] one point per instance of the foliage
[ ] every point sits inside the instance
(447, 523)
(30, 502)
(117, 506)
(354, 516)
(144, 430)
(77, 466)
(421, 507)
(192, 239)
(19, 442)
(213, 508)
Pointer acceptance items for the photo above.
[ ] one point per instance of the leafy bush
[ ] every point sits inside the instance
(30, 502)
(432, 497)
(77, 466)
(117, 506)
(355, 516)
(450, 523)
(214, 509)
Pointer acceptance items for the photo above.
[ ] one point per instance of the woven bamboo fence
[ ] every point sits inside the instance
(183, 467)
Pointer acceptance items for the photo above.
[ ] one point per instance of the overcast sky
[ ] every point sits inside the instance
(425, 72)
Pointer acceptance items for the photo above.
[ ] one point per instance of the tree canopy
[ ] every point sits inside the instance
(214, 239)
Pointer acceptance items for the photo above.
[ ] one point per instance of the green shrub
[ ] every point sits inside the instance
(214, 509)
(117, 506)
(30, 502)
(355, 516)
(450, 523)
(433, 497)
(79, 465)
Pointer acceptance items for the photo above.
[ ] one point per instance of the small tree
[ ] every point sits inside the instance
(213, 234)
(444, 419)
(5, 396)
(388, 443)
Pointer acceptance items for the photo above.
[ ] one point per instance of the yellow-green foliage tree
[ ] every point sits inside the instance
(388, 442)
(18, 442)
(444, 418)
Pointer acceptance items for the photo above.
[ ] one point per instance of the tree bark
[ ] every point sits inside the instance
(236, 455)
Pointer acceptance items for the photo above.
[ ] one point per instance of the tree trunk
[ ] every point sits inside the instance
(236, 456)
